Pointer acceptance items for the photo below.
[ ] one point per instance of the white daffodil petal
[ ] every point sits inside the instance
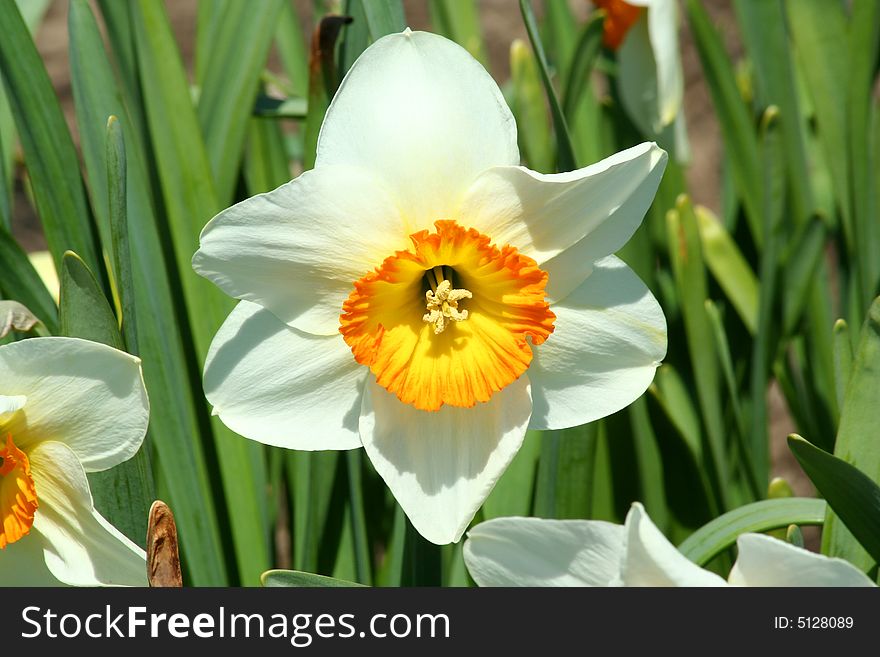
(80, 547)
(426, 116)
(10, 404)
(766, 561)
(279, 386)
(442, 465)
(22, 564)
(593, 210)
(538, 552)
(651, 560)
(84, 394)
(637, 78)
(299, 249)
(610, 336)
(663, 34)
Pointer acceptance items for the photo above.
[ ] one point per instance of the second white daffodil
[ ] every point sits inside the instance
(420, 294)
(538, 552)
(67, 407)
(650, 78)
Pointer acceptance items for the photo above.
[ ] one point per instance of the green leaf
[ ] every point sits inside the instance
(722, 347)
(568, 460)
(32, 12)
(459, 20)
(856, 437)
(122, 494)
(323, 81)
(765, 36)
(565, 158)
(801, 262)
(718, 535)
(384, 17)
(190, 201)
(311, 476)
(49, 154)
(20, 281)
(729, 267)
(864, 43)
(85, 312)
(589, 45)
(239, 48)
(851, 494)
(363, 559)
(685, 252)
(117, 185)
(512, 495)
(529, 108)
(299, 579)
(292, 49)
(265, 161)
(175, 415)
(675, 400)
(733, 115)
(843, 359)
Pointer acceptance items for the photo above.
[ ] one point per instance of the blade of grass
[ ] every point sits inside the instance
(688, 267)
(565, 158)
(856, 441)
(239, 48)
(383, 17)
(733, 115)
(851, 494)
(21, 282)
(715, 537)
(292, 49)
(459, 20)
(190, 201)
(49, 154)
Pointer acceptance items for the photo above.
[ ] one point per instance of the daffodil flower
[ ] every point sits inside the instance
(420, 294)
(67, 407)
(538, 552)
(644, 33)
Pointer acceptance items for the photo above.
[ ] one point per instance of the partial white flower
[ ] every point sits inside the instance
(538, 552)
(650, 76)
(67, 407)
(420, 294)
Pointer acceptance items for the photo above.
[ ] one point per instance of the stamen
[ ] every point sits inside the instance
(442, 302)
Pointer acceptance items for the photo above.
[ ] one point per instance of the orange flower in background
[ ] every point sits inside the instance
(620, 16)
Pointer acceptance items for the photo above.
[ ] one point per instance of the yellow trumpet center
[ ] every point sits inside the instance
(405, 319)
(18, 496)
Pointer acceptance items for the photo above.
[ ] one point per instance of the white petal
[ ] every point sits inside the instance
(637, 79)
(22, 564)
(442, 465)
(766, 561)
(80, 546)
(538, 552)
(610, 336)
(593, 210)
(299, 249)
(10, 404)
(283, 387)
(663, 33)
(651, 560)
(81, 393)
(426, 116)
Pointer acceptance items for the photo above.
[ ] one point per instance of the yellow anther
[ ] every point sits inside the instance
(442, 306)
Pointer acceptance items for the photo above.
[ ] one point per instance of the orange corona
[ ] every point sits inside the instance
(620, 16)
(18, 496)
(449, 321)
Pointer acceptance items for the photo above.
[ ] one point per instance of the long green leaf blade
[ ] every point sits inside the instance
(718, 535)
(48, 149)
(850, 493)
